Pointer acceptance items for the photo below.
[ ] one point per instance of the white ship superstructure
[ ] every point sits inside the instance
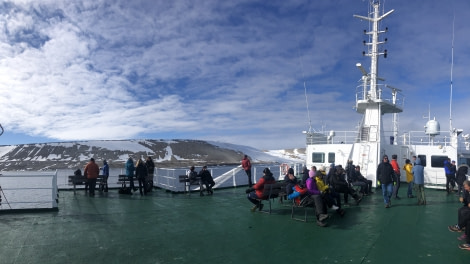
(370, 142)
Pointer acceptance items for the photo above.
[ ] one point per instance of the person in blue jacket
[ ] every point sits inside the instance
(450, 176)
(130, 168)
(418, 179)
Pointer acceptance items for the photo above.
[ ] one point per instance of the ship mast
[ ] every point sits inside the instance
(374, 52)
(371, 101)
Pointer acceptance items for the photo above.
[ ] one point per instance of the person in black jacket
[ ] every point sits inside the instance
(150, 171)
(206, 179)
(461, 177)
(352, 179)
(386, 178)
(290, 180)
(360, 178)
(342, 186)
(141, 174)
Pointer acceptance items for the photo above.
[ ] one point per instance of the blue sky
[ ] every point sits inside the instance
(230, 71)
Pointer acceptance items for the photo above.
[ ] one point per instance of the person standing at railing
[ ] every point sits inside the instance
(130, 168)
(105, 175)
(150, 171)
(141, 174)
(91, 173)
(246, 164)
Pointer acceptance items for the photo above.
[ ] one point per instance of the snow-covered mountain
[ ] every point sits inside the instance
(166, 153)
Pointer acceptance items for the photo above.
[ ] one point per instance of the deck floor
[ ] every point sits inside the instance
(176, 228)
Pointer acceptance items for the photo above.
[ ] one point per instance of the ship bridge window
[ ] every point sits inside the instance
(438, 161)
(423, 160)
(318, 157)
(331, 157)
(464, 160)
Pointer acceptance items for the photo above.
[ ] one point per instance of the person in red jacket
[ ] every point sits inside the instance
(91, 173)
(256, 192)
(396, 169)
(246, 164)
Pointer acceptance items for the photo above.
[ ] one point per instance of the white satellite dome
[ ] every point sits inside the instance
(432, 128)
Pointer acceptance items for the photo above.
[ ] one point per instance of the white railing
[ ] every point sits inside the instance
(339, 137)
(224, 176)
(382, 93)
(29, 190)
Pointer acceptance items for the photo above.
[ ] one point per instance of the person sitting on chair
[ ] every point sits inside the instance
(340, 185)
(316, 195)
(331, 198)
(256, 191)
(360, 178)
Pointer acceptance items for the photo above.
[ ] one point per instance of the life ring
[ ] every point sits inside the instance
(284, 168)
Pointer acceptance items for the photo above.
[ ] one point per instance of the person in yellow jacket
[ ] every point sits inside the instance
(332, 198)
(408, 167)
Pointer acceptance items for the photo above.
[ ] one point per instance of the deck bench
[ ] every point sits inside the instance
(272, 191)
(81, 180)
(188, 183)
(122, 179)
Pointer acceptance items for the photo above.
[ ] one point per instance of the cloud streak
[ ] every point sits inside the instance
(81, 70)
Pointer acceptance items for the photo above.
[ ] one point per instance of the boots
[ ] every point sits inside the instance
(357, 198)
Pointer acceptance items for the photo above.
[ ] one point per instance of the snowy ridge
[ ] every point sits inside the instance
(166, 153)
(256, 155)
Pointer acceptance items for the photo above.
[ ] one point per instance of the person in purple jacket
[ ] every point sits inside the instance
(315, 195)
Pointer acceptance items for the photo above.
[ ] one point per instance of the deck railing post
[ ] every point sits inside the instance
(234, 180)
(55, 194)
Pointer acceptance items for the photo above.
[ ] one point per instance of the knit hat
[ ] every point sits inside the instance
(290, 171)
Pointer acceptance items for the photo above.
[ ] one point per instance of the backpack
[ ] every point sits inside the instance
(125, 190)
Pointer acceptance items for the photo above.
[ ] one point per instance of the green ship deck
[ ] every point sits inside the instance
(165, 227)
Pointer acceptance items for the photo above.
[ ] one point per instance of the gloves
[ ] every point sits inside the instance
(378, 183)
(249, 190)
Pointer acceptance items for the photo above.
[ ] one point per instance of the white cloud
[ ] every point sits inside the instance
(231, 71)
